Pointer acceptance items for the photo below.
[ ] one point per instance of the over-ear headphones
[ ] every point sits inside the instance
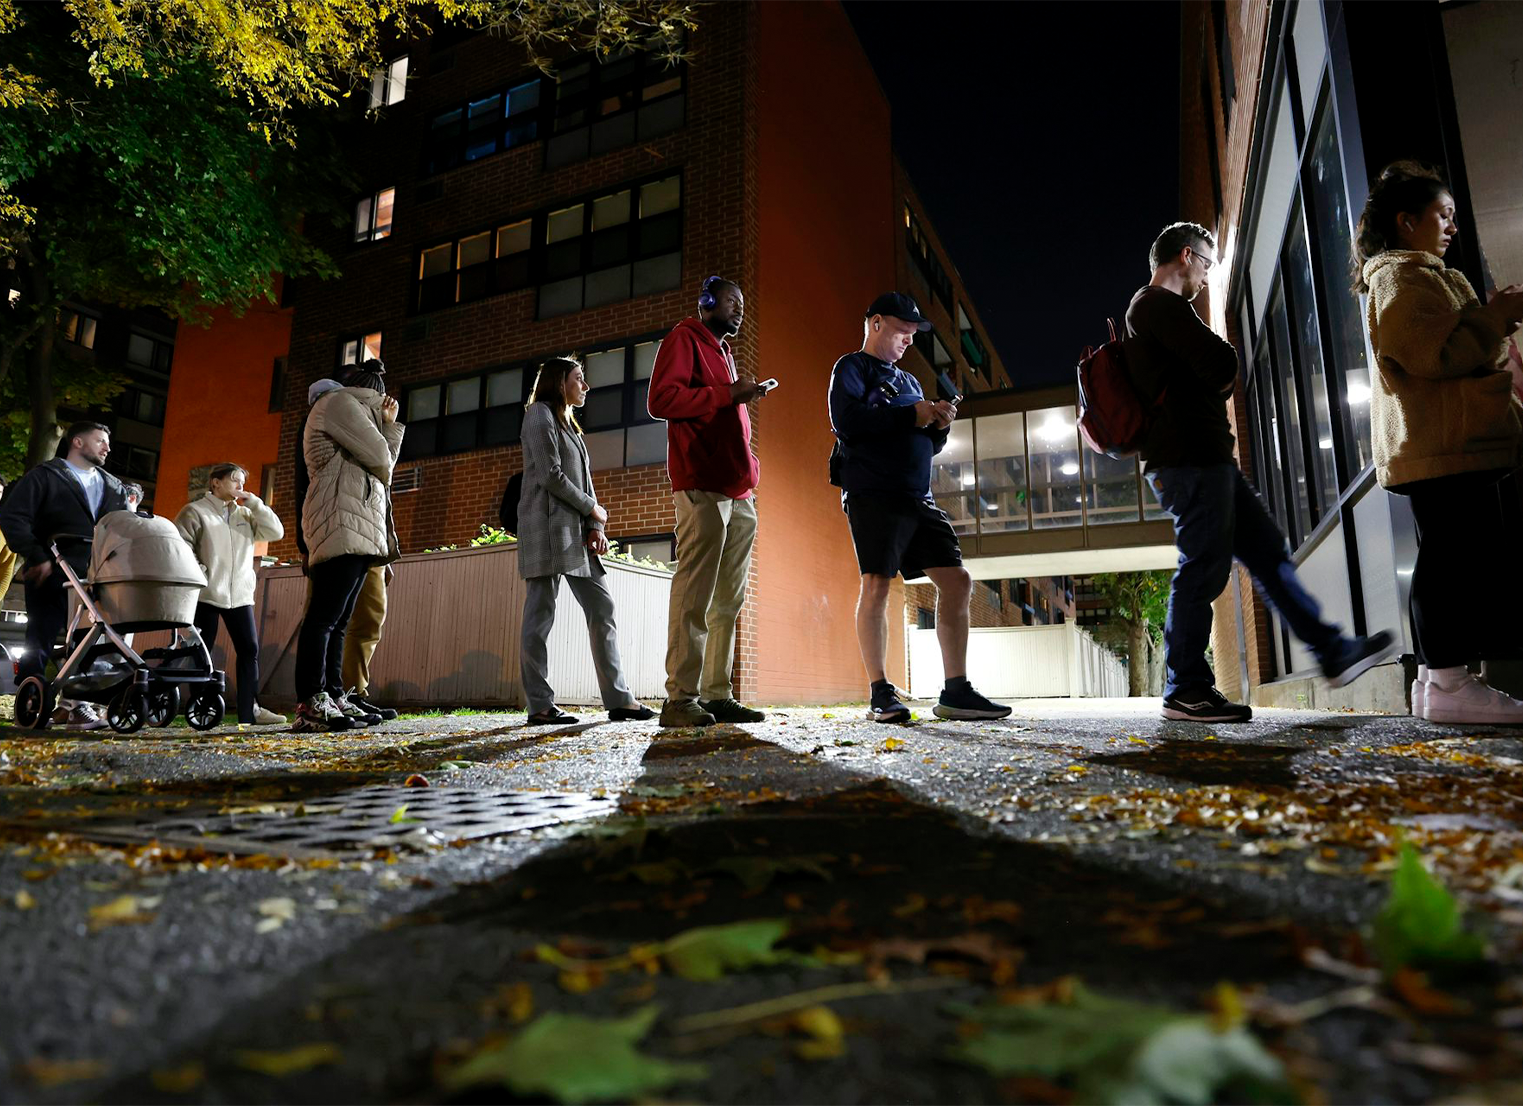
(706, 298)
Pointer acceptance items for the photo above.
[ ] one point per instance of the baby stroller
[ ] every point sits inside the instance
(143, 577)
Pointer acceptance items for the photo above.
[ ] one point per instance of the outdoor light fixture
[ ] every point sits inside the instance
(1325, 443)
(967, 479)
(1053, 429)
(1069, 468)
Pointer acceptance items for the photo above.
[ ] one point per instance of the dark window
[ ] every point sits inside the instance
(141, 405)
(926, 261)
(1224, 60)
(972, 345)
(495, 121)
(934, 350)
(148, 352)
(485, 409)
(372, 215)
(601, 105)
(925, 618)
(593, 251)
(278, 384)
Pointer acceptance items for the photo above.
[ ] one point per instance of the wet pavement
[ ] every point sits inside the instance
(911, 868)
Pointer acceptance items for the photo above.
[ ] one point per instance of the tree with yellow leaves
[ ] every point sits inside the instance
(164, 152)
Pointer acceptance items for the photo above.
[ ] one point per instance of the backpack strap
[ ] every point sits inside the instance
(1111, 323)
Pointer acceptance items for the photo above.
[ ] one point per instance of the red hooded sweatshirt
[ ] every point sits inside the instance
(708, 438)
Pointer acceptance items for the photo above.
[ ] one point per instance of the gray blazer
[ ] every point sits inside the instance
(556, 503)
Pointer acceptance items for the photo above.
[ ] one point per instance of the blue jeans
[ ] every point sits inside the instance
(1218, 516)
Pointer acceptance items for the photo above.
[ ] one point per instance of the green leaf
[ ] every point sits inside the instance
(575, 1059)
(399, 816)
(1421, 924)
(1116, 1051)
(707, 953)
(756, 872)
(455, 765)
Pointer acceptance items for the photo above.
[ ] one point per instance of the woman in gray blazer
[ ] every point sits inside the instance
(561, 533)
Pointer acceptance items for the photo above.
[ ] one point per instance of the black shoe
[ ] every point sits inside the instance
(728, 710)
(963, 702)
(553, 717)
(637, 713)
(885, 706)
(386, 714)
(1209, 705)
(1356, 656)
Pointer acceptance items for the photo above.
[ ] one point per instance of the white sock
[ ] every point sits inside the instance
(1448, 678)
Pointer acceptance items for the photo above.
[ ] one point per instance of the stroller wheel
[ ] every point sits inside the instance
(126, 713)
(205, 711)
(163, 704)
(34, 704)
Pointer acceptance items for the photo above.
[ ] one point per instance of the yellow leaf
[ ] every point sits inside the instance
(912, 905)
(827, 1037)
(55, 1073)
(181, 1080)
(123, 910)
(1228, 1007)
(892, 743)
(1079, 768)
(291, 1061)
(24, 900)
(1138, 740)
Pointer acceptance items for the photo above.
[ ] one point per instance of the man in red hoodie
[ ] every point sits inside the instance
(695, 387)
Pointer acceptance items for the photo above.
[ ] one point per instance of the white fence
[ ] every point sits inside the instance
(1015, 662)
(452, 629)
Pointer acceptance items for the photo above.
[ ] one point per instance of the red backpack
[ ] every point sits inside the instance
(1113, 418)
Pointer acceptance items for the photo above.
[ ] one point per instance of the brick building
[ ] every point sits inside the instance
(507, 216)
(1288, 111)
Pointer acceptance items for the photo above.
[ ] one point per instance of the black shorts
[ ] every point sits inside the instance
(897, 534)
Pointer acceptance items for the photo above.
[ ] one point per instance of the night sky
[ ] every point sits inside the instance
(1043, 138)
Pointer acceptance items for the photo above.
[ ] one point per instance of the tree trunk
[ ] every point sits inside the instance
(1136, 659)
(39, 389)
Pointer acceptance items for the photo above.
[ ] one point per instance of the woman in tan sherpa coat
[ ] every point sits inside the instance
(350, 444)
(1444, 424)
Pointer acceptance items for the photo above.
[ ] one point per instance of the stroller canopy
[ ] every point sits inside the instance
(128, 546)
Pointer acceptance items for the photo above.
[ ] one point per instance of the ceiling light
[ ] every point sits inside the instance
(1070, 468)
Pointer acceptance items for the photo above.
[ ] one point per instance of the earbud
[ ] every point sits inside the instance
(877, 327)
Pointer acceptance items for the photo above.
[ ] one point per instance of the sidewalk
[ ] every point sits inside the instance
(916, 872)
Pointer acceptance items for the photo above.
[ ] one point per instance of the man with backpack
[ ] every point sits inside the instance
(1187, 448)
(886, 433)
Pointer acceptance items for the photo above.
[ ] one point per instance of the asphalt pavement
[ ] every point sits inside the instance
(220, 948)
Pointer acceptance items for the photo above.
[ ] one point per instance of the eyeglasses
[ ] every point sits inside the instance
(1206, 262)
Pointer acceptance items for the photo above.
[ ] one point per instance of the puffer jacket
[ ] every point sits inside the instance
(223, 542)
(350, 450)
(1440, 405)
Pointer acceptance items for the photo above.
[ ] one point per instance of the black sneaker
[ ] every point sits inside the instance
(885, 706)
(963, 702)
(386, 713)
(728, 710)
(1209, 705)
(1355, 656)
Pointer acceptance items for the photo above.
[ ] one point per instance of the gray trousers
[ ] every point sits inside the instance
(539, 616)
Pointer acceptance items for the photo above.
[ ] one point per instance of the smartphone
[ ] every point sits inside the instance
(767, 385)
(947, 389)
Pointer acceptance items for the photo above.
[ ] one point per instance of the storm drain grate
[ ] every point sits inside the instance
(364, 819)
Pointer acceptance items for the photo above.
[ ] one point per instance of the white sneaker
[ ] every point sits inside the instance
(1471, 703)
(85, 717)
(264, 717)
(1420, 693)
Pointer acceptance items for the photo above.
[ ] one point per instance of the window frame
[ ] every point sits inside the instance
(359, 337)
(372, 234)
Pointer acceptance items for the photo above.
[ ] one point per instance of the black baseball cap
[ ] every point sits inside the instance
(899, 306)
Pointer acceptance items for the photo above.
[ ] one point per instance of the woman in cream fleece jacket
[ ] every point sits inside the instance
(1445, 426)
(222, 527)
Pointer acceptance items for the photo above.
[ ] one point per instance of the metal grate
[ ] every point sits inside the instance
(407, 480)
(364, 819)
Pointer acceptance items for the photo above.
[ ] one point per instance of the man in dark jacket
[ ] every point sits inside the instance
(64, 496)
(888, 433)
(1217, 514)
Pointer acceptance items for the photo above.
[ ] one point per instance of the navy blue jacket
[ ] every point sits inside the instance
(885, 453)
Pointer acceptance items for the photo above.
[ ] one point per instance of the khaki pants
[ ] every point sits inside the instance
(364, 632)
(7, 567)
(714, 538)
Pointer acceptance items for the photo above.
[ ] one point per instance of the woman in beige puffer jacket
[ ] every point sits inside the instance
(1444, 424)
(350, 444)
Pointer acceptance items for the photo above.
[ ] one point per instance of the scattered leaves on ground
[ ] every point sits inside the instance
(291, 1061)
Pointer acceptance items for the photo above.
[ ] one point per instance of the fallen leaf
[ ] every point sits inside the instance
(570, 1058)
(911, 906)
(180, 1080)
(455, 765)
(1413, 988)
(55, 1073)
(756, 872)
(274, 914)
(827, 1036)
(1421, 924)
(291, 1061)
(1116, 1051)
(514, 1001)
(399, 816)
(707, 953)
(415, 780)
(123, 910)
(892, 743)
(24, 900)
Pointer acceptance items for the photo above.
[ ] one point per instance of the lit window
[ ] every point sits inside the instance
(388, 84)
(372, 216)
(77, 327)
(352, 351)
